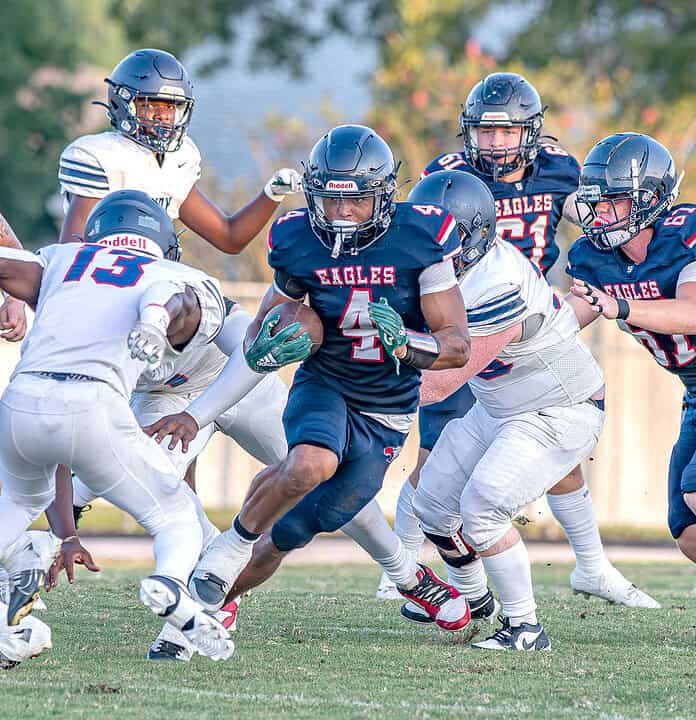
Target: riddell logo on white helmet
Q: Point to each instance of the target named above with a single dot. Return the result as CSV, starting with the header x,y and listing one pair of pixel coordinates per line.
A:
x,y
342,185
137,242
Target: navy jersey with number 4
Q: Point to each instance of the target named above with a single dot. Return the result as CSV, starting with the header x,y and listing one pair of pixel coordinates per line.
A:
x,y
351,357
528,211
671,249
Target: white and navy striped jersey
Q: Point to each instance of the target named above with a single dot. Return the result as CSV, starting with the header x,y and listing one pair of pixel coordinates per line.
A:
x,y
551,366
88,303
95,165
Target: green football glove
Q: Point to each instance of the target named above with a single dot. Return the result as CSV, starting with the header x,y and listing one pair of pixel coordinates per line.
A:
x,y
390,326
269,353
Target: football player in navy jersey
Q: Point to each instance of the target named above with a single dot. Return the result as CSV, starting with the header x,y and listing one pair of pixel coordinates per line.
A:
x,y
636,263
376,272
533,184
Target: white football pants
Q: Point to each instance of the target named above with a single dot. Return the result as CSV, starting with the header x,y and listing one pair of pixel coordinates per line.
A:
x,y
482,469
88,426
255,423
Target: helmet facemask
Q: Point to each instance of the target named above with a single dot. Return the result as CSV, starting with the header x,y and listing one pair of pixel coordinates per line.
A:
x,y
129,111
487,161
341,235
644,208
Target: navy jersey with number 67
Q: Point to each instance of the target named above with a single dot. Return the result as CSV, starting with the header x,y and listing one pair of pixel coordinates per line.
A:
x,y
671,249
527,212
351,357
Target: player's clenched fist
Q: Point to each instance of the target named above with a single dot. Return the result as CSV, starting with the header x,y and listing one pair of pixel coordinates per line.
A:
x,y
148,338
285,181
181,426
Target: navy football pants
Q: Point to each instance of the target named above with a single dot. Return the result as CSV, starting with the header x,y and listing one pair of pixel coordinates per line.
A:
x,y
317,414
682,469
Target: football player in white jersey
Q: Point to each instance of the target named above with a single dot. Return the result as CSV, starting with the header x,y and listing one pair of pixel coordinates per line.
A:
x,y
538,414
104,312
255,422
150,101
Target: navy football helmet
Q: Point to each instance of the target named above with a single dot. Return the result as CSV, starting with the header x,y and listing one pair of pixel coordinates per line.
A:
x,y
625,166
132,212
350,162
502,100
149,75
472,205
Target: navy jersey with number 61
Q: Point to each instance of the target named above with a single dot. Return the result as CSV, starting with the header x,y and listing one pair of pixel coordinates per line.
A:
x,y
351,357
527,212
671,249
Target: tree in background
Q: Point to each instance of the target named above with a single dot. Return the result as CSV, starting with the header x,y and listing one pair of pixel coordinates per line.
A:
x,y
421,84
601,65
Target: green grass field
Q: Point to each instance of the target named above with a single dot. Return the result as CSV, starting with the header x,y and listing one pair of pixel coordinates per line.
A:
x,y
313,643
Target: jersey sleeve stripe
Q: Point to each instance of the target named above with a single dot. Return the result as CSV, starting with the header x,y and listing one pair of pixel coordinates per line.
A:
x,y
691,241
68,174
96,167
447,227
475,316
507,297
505,319
104,189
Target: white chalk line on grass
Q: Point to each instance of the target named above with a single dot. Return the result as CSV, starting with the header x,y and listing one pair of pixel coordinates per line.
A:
x,y
507,710
285,699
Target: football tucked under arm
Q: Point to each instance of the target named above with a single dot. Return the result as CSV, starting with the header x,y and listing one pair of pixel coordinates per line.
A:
x,y
440,384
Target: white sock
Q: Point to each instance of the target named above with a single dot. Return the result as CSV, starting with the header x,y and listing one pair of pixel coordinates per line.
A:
x,y
511,575
370,529
177,549
576,516
470,579
210,532
406,524
400,567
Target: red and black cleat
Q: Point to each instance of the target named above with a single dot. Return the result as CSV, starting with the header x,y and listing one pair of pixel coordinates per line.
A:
x,y
443,603
227,614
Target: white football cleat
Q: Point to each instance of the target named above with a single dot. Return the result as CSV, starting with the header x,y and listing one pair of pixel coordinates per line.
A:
x,y
525,637
171,644
386,590
26,640
219,567
613,587
168,599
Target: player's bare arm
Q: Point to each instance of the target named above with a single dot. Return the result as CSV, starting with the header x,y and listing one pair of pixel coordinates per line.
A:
x,y
74,224
62,522
669,317
13,317
445,315
232,233
436,386
20,275
584,312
